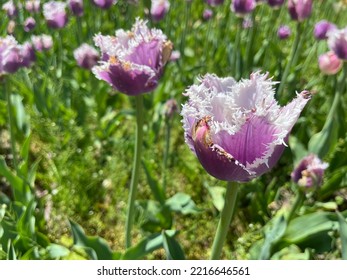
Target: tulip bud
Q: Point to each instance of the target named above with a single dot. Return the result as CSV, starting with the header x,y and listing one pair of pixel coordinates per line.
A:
x,y
284,32
159,9
86,56
309,173
29,24
322,28
242,7
329,63
207,14
55,14
299,9
337,41
76,7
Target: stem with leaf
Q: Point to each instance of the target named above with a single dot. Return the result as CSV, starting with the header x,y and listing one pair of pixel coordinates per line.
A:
x,y
225,219
299,199
135,171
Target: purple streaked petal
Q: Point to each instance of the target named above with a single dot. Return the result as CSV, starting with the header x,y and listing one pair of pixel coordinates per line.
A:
x,y
127,79
242,145
214,158
146,53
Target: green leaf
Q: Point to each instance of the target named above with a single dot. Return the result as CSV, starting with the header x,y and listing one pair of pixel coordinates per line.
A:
x,y
22,119
2,215
182,203
303,227
26,224
146,246
337,180
272,236
292,252
343,234
325,141
15,182
25,149
217,194
56,251
172,248
312,231
11,252
298,149
155,217
96,247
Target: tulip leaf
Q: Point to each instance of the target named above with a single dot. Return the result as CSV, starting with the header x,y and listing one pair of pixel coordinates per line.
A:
x,y
182,203
26,223
312,230
217,194
154,217
146,246
15,182
291,252
272,236
56,251
21,118
172,248
298,149
324,141
96,247
337,180
11,252
343,234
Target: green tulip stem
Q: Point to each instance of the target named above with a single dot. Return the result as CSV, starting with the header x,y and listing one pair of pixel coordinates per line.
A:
x,y
10,125
166,151
225,219
299,199
135,171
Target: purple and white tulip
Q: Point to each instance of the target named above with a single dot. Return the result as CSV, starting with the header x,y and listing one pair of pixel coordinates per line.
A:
x,y
76,7
170,108
284,32
28,54
86,56
207,14
329,63
42,43
104,4
322,28
310,171
300,9
10,8
10,55
55,14
132,61
159,9
237,130
29,24
242,7
32,6
337,42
